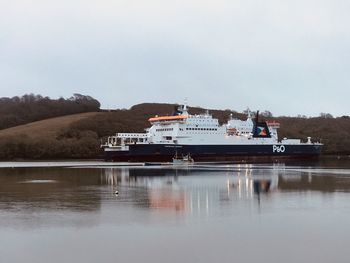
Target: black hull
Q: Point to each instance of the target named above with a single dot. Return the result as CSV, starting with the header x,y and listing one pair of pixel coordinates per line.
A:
x,y
204,153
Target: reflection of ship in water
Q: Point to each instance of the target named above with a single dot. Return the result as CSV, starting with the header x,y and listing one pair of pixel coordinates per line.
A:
x,y
204,188
194,189
262,186
156,190
176,189
161,199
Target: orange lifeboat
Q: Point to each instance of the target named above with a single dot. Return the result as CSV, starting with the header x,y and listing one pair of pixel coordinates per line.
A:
x,y
168,118
231,131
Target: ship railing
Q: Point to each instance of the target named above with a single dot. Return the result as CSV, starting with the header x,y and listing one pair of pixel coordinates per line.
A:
x,y
291,141
121,139
132,135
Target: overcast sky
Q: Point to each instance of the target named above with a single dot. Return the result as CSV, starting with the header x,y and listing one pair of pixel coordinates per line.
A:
x,y
290,57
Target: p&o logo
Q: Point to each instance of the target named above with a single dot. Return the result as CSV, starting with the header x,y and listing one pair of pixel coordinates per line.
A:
x,y
278,149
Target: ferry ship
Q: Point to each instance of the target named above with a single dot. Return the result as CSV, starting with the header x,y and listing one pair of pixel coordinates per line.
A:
x,y
204,139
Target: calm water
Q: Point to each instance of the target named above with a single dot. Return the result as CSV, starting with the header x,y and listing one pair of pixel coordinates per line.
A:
x,y
206,213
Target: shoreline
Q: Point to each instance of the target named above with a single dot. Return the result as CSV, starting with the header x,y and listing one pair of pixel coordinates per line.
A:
x,y
100,163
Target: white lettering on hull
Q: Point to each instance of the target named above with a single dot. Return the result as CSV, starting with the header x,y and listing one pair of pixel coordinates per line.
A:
x,y
278,149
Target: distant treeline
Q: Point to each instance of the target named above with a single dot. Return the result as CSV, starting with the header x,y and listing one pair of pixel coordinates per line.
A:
x,y
29,108
82,138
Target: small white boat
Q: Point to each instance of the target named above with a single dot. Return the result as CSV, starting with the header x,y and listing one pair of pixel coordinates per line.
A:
x,y
184,159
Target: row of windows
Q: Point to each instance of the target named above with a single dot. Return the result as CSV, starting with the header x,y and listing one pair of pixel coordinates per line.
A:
x,y
188,129
201,129
205,120
165,129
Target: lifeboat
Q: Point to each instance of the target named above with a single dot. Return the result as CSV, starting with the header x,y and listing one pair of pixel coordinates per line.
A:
x,y
231,131
168,118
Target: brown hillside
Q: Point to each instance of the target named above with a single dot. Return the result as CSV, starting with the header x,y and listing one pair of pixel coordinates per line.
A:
x,y
46,128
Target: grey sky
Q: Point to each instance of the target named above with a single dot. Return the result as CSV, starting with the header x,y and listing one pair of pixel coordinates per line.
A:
x,y
290,57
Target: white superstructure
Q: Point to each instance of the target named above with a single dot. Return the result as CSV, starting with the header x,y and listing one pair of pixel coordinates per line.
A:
x,y
186,129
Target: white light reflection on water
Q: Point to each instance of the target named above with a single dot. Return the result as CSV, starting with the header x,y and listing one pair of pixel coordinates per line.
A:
x,y
38,181
204,213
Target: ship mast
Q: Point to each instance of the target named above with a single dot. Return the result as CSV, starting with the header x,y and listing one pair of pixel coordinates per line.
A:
x,y
183,108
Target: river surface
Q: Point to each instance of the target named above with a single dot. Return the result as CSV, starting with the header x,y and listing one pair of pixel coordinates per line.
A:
x,y
200,213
